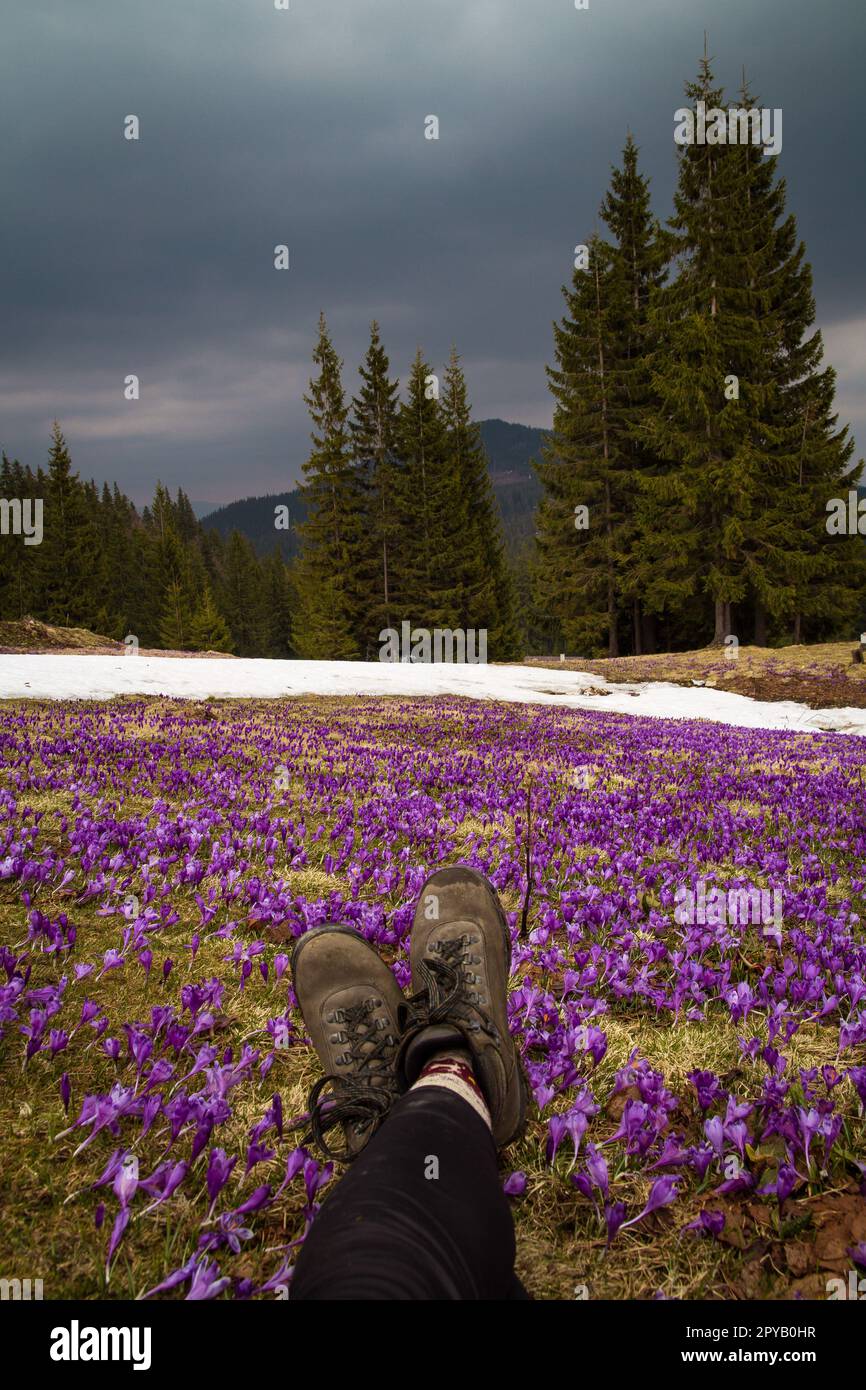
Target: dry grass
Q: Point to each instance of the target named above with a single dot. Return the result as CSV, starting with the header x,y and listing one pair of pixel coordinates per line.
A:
x,y
822,675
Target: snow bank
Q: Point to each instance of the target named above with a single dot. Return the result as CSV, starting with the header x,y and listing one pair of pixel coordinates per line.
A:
x,y
55,677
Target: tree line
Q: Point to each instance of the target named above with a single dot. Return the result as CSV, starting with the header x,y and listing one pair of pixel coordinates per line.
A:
x,y
157,576
401,527
695,445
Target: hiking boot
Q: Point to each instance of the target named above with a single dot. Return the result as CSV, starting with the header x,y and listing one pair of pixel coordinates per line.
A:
x,y
460,955
349,1000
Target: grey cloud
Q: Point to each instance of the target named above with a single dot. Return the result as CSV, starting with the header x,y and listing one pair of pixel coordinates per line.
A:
x,y
261,127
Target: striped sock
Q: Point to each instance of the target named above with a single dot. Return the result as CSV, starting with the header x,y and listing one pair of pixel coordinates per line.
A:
x,y
452,1071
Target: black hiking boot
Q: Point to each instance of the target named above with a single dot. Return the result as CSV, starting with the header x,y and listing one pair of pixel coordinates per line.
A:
x,y
349,999
460,955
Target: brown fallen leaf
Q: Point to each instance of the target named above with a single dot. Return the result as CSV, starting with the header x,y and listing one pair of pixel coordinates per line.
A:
x,y
813,1287
616,1104
751,1279
830,1247
761,1214
799,1257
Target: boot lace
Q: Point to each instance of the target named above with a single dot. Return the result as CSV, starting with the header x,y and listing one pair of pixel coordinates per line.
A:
x,y
446,995
363,1096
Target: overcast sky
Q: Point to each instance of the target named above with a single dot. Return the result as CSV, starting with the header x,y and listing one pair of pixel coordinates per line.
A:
x,y
306,127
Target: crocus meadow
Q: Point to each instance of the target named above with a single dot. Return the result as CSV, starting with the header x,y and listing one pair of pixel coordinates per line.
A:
x,y
699,1077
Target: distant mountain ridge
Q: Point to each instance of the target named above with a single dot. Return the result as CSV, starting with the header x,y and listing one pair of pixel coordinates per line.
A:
x,y
510,450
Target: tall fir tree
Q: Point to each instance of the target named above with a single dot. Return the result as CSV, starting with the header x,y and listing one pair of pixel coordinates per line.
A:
x,y
640,254
19,564
208,629
701,513
243,597
173,575
427,585
330,616
69,542
278,606
582,514
800,579
373,426
487,594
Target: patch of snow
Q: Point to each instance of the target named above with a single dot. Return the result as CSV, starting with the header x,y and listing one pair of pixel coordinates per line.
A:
x,y
61,677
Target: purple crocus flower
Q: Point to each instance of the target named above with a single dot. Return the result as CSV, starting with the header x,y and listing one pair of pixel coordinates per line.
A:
x,y
596,1166
584,1186
280,965
121,1221
112,960
294,1165
557,1128
258,1153
673,1155
810,1125
166,1180
708,1223
707,1085
857,1077
514,1185
663,1192
786,1180
233,1232
280,1279
745,1182
715,1131
126,1180
218,1173
614,1215
206,1282
260,1198
149,1112
316,1177
178,1276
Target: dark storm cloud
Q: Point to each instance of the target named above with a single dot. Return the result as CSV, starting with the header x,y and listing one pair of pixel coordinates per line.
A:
x,y
260,127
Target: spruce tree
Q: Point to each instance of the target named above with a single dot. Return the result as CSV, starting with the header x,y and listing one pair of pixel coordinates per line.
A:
x,y
427,585
640,252
19,563
373,426
65,557
487,596
243,597
278,606
702,512
331,616
208,630
173,575
800,579
585,459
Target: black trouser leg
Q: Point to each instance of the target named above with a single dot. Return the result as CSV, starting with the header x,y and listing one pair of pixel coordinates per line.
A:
x,y
392,1229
